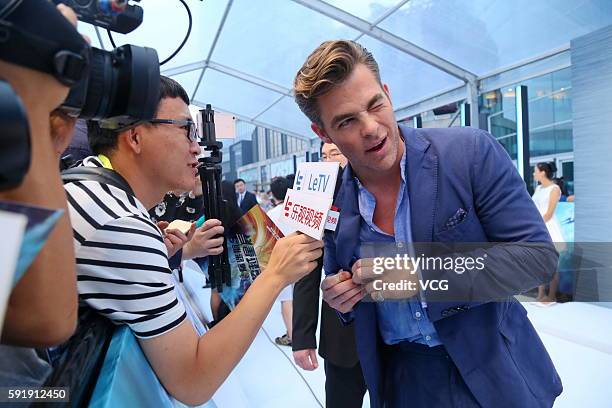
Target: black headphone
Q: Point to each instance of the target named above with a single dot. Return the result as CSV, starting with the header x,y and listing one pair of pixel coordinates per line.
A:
x,y
14,138
55,48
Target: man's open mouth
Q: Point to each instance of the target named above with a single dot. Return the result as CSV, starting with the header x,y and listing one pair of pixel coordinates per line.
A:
x,y
377,147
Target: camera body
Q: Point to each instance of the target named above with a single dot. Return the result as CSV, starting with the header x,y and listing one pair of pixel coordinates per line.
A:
x,y
114,15
118,88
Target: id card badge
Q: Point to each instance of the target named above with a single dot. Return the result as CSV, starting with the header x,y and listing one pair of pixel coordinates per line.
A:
x,y
332,218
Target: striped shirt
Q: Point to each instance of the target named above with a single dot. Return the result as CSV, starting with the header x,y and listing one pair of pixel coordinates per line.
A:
x,y
122,262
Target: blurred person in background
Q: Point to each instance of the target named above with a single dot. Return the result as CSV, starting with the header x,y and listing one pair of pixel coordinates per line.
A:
x,y
331,153
78,148
244,199
546,197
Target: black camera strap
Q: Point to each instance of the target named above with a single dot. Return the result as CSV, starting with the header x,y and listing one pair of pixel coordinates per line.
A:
x,y
99,174
60,52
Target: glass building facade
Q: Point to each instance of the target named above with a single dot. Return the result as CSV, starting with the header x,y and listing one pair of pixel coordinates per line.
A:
x,y
270,154
550,120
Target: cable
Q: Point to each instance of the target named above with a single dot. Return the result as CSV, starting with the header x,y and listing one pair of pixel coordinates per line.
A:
x,y
294,367
9,8
180,47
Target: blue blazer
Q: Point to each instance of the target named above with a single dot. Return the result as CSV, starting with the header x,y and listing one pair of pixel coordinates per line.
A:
x,y
493,344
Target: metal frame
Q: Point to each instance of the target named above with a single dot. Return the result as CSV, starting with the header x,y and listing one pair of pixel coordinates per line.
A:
x,y
434,101
547,60
388,38
268,108
522,132
213,46
361,25
249,78
224,69
465,113
537,58
384,16
469,92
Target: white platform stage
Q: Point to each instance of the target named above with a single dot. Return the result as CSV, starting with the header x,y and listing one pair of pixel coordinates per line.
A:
x,y
578,337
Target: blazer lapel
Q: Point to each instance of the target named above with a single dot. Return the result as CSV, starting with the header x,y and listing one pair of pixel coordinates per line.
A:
x,y
349,222
422,179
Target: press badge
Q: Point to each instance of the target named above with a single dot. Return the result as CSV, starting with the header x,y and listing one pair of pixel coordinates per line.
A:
x,y
332,218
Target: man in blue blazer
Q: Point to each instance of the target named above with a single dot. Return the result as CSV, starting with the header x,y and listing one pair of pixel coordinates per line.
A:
x,y
428,185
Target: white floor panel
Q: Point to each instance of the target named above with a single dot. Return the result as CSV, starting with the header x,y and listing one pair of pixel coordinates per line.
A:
x,y
577,336
585,374
267,377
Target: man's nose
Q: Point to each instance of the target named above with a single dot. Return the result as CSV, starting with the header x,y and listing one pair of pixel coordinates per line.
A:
x,y
195,148
369,125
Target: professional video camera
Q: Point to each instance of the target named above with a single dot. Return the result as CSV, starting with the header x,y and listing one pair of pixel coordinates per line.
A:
x,y
118,88
114,15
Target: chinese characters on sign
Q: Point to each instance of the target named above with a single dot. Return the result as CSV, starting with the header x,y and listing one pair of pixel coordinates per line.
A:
x,y
304,215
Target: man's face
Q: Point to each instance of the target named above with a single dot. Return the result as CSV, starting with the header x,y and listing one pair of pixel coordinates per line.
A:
x,y
240,187
168,154
358,118
331,153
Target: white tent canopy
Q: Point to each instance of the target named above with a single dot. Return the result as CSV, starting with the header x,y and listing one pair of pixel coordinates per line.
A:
x,y
242,55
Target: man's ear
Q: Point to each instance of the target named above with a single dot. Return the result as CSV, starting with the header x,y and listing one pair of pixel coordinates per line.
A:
x,y
132,139
321,133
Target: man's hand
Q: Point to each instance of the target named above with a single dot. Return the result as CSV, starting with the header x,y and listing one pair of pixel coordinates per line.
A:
x,y
293,257
363,271
207,240
390,283
306,359
340,292
173,238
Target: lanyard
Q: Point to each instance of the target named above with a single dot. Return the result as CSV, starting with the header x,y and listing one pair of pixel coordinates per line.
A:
x,y
105,161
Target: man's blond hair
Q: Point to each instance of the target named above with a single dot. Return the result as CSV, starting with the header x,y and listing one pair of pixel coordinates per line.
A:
x,y
328,65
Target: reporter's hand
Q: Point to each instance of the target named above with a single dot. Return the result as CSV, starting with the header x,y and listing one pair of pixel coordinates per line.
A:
x,y
306,359
293,257
340,292
207,240
173,238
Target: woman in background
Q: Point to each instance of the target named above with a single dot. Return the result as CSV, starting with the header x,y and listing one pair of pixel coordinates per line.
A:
x,y
546,197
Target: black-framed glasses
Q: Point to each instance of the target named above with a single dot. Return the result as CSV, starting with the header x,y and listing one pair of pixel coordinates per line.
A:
x,y
187,124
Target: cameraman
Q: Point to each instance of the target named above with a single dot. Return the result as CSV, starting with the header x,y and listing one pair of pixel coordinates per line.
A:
x,y
42,308
122,262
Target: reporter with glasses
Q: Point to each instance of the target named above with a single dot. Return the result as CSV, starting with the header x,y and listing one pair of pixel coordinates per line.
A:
x,y
122,259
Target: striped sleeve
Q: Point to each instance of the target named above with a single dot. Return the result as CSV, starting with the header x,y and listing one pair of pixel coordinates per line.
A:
x,y
123,273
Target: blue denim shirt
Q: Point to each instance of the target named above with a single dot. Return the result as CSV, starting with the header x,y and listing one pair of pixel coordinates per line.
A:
x,y
402,320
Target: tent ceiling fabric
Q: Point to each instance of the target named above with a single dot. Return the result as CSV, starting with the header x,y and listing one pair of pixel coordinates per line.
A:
x,y
242,55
